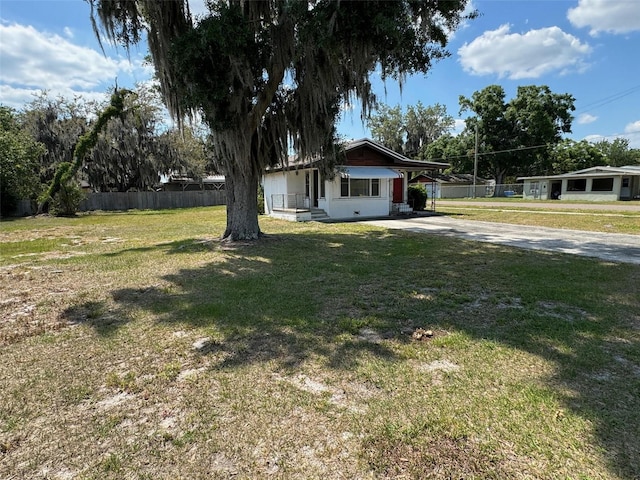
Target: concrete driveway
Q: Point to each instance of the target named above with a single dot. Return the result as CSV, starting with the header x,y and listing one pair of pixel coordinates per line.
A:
x,y
606,246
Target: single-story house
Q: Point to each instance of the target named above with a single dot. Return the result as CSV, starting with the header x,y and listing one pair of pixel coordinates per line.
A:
x,y
452,185
371,183
590,184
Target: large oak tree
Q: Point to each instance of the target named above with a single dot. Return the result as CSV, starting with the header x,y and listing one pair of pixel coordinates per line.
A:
x,y
514,136
270,76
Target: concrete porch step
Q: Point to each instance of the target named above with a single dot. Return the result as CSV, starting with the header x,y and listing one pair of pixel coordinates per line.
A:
x,y
318,214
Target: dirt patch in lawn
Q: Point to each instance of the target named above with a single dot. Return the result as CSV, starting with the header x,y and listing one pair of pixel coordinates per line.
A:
x,y
33,299
439,458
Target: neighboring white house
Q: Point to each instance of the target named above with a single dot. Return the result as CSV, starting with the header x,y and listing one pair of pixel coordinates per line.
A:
x,y
591,184
371,183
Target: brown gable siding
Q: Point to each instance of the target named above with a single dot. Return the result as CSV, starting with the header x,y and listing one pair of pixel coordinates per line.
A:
x,y
367,157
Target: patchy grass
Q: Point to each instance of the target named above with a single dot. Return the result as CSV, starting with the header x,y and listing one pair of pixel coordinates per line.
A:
x,y
607,221
136,346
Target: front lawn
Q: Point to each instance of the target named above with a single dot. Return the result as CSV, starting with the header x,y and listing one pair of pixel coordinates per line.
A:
x,y
134,345
605,221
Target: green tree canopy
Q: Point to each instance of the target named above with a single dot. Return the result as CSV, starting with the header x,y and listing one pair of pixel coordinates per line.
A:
x,y
19,162
617,153
424,125
267,76
457,150
412,132
514,135
387,127
56,123
134,148
569,155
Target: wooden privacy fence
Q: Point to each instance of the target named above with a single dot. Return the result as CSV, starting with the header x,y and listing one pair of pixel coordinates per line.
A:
x,y
152,200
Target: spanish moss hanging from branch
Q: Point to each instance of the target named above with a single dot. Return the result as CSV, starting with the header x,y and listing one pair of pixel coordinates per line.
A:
x,y
270,76
66,171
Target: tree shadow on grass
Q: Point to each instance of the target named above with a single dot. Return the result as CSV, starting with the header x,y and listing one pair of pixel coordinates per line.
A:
x,y
299,296
95,314
190,245
263,303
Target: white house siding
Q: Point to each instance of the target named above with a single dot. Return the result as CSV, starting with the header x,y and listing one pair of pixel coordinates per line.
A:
x,y
352,207
295,182
536,190
292,216
589,195
274,183
540,189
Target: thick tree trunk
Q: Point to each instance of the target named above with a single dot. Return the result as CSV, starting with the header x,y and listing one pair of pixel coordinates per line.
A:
x,y
242,206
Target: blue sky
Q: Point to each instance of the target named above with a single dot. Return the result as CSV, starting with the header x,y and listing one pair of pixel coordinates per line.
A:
x,y
587,48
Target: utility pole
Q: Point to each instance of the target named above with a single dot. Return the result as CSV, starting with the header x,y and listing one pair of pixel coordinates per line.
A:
x,y
475,163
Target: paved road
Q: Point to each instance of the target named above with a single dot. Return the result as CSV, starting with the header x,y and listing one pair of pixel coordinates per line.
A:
x,y
606,246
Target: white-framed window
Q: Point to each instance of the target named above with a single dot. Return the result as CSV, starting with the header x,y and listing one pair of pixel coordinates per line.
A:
x,y
359,187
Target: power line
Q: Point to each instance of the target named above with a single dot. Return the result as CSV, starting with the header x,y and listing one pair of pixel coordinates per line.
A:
x,y
519,149
610,99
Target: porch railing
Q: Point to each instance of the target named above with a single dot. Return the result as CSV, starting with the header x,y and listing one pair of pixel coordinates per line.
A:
x,y
289,202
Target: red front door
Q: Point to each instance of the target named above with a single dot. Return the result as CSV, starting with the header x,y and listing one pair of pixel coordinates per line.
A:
x,y
398,190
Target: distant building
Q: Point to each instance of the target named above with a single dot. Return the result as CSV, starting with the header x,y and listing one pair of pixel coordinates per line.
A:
x,y
176,183
452,185
595,184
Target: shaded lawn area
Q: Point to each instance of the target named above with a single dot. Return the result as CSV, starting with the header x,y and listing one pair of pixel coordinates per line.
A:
x,y
134,345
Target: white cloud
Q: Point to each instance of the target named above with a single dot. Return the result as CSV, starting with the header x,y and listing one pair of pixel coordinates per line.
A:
x,y
528,55
595,138
18,98
631,133
68,32
458,126
37,60
586,118
633,127
620,16
468,10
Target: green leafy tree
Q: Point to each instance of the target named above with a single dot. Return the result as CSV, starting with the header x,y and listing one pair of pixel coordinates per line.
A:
x,y
514,136
456,150
56,123
424,125
539,117
617,153
19,162
495,133
410,133
267,76
191,155
387,127
66,171
132,147
131,151
569,155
